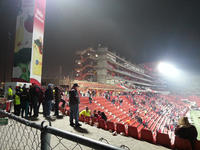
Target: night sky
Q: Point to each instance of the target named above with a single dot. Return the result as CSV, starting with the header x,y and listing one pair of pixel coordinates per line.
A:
x,y
139,30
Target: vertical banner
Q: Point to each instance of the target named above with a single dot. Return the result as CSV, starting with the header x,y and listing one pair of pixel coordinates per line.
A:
x,y
37,43
29,41
23,41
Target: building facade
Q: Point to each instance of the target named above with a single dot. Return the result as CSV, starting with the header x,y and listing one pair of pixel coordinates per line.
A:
x,y
103,66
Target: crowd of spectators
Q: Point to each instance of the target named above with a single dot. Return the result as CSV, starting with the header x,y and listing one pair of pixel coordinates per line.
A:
x,y
27,100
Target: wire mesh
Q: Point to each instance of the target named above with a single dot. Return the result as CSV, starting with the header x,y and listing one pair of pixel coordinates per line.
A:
x,y
58,143
21,134
17,136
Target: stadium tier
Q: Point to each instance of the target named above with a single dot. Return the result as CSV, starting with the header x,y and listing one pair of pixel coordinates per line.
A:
x,y
148,117
103,66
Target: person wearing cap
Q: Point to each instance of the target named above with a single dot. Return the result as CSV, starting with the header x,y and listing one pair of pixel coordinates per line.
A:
x,y
74,102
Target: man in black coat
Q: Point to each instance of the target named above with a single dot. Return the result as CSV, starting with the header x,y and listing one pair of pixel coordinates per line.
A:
x,y
74,102
48,101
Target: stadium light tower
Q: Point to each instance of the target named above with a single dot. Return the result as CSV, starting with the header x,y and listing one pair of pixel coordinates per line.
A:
x,y
168,70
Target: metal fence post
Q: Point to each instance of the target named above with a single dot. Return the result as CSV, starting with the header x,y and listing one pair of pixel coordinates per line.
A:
x,y
45,137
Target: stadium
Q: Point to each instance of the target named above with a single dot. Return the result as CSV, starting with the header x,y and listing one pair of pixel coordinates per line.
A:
x,y
106,75
149,111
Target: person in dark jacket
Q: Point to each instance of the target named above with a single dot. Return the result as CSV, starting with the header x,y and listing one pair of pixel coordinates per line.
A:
x,y
103,116
48,101
31,92
57,100
35,99
186,131
24,102
74,102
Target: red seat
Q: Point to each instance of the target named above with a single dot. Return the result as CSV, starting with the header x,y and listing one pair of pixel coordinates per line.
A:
x,y
110,125
197,145
120,128
182,144
81,118
94,120
102,124
133,132
146,135
163,139
87,120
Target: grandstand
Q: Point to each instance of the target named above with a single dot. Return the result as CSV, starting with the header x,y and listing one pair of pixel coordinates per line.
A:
x,y
159,114
103,66
149,112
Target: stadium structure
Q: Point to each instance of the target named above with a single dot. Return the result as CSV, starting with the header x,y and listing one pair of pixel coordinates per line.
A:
x,y
150,109
103,66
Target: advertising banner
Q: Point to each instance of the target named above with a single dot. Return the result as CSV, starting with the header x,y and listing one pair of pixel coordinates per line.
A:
x,y
37,43
29,41
23,41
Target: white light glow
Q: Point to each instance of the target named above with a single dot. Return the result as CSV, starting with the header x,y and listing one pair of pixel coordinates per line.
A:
x,y
168,70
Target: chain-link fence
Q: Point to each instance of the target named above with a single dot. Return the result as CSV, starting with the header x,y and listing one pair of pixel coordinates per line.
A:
x,y
21,134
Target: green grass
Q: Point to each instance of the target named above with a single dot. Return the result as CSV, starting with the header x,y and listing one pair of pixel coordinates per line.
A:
x,y
195,117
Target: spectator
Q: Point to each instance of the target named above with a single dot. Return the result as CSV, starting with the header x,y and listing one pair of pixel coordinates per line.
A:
x,y
35,99
57,100
31,93
17,102
103,116
95,114
10,93
74,102
24,102
90,97
120,101
85,112
48,101
113,101
186,131
41,100
99,115
130,113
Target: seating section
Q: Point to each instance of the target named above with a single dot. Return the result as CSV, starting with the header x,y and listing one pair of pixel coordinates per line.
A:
x,y
163,139
120,128
147,135
133,132
143,117
110,125
102,124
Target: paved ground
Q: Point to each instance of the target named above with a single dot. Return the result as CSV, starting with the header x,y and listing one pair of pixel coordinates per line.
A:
x,y
15,131
95,133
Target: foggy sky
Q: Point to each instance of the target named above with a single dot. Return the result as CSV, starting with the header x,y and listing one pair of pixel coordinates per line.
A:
x,y
139,30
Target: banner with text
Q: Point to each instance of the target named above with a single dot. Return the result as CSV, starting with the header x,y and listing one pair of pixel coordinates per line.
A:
x,y
29,41
37,43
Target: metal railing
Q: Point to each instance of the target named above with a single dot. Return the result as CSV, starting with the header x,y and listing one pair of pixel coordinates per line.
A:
x,y
21,134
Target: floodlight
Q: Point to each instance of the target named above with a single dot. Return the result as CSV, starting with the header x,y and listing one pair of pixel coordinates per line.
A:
x,y
168,70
